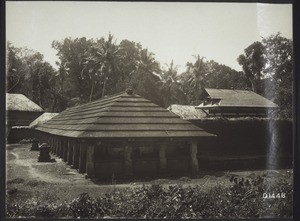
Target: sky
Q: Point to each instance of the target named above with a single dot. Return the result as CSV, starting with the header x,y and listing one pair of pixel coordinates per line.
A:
x,y
172,31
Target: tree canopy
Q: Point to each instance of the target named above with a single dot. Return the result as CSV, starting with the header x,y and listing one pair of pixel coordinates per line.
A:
x,y
268,66
89,69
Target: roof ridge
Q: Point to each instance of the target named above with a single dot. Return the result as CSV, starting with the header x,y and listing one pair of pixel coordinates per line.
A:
x,y
95,101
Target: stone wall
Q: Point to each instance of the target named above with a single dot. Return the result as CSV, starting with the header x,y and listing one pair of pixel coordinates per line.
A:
x,y
246,143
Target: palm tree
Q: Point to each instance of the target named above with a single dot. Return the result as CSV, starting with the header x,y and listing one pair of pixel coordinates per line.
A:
x,y
198,72
101,62
61,74
146,77
171,87
146,65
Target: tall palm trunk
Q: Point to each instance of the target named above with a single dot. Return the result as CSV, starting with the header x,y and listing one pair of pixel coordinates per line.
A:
x,y
92,91
103,89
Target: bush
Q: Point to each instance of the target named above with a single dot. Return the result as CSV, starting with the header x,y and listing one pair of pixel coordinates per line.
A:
x,y
83,207
242,199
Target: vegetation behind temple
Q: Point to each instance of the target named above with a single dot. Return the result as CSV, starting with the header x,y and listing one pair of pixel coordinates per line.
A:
x,y
92,68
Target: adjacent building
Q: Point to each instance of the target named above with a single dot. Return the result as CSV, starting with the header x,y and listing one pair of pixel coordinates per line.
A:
x,y
20,111
225,102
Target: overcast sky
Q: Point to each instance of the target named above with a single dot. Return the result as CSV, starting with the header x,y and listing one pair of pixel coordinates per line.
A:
x,y
218,31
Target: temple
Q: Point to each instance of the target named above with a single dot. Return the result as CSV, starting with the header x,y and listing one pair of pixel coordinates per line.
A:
x,y
124,135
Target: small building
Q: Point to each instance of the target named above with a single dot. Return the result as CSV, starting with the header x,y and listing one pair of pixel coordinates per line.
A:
x,y
224,102
20,111
124,135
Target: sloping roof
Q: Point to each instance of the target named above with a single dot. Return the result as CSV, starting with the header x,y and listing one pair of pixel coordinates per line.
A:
x,y
42,119
120,116
19,102
187,112
237,98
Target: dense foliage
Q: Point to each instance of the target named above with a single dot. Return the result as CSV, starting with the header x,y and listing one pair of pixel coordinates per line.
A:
x,y
268,67
89,69
242,199
29,74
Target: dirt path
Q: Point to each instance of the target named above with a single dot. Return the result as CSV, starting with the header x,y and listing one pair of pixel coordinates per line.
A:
x,y
35,173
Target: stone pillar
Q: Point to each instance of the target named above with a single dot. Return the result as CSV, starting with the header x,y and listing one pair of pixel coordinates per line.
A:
x,y
90,160
58,146
51,143
82,158
61,147
70,152
42,138
162,157
35,144
44,153
76,149
65,150
48,141
193,157
127,159
55,145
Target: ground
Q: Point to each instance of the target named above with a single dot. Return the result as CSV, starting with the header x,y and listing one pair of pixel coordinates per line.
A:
x,y
27,178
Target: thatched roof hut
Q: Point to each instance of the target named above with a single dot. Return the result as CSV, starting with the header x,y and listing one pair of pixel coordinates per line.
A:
x,y
20,110
123,134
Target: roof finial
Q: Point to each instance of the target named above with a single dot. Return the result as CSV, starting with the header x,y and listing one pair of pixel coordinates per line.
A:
x,y
129,91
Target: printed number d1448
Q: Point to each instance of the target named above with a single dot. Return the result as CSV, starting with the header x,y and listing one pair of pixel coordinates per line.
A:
x,y
273,195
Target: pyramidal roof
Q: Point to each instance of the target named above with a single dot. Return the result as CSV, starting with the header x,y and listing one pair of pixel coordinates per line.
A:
x,y
124,115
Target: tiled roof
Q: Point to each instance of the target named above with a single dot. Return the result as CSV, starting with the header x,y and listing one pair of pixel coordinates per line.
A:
x,y
118,116
237,98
